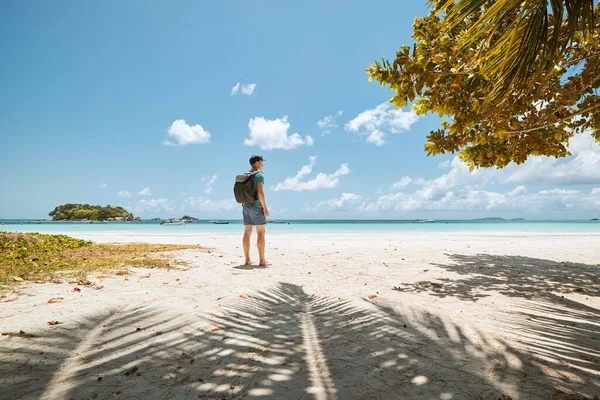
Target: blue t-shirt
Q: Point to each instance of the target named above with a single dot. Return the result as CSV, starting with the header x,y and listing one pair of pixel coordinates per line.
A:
x,y
258,178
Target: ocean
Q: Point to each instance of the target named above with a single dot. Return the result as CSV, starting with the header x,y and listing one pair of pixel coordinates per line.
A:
x,y
311,226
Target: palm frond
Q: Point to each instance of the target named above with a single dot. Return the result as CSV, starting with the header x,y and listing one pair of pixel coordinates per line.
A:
x,y
516,39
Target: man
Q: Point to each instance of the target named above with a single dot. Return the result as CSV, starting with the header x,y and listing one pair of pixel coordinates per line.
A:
x,y
256,213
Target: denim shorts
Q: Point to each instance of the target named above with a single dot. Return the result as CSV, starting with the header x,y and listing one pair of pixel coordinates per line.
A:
x,y
253,215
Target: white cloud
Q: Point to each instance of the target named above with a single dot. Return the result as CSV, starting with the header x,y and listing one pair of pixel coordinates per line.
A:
x,y
582,168
248,89
458,189
377,122
243,88
201,203
345,202
184,134
145,192
153,205
103,185
329,122
124,193
458,175
208,187
444,164
273,134
402,183
470,199
321,181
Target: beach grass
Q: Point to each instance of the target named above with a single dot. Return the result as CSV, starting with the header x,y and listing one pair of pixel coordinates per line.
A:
x,y
40,257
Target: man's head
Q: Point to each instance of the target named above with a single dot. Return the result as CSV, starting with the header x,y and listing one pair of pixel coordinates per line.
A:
x,y
256,162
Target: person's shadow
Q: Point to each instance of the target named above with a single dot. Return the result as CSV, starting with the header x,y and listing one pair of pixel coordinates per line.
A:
x,y
250,267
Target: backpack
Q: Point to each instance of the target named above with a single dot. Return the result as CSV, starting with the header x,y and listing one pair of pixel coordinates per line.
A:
x,y
243,189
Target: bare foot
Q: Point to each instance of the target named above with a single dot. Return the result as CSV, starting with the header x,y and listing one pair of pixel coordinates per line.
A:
x,y
263,263
248,262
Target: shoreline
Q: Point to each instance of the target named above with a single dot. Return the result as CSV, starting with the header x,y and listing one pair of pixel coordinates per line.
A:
x,y
346,233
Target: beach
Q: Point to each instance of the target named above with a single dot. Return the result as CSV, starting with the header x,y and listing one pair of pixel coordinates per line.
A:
x,y
346,315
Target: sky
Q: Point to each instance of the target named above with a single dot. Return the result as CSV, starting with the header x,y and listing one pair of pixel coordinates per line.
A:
x,y
157,106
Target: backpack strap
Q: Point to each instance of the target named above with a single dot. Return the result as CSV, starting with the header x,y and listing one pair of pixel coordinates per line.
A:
x,y
253,174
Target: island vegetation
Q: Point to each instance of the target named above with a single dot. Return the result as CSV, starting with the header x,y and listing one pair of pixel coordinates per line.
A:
x,y
79,212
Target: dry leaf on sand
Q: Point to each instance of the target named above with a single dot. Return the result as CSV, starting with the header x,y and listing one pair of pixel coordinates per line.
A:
x,y
54,322
243,296
216,329
372,296
55,300
9,300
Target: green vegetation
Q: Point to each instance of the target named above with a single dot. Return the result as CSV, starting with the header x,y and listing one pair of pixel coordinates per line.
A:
x,y
38,257
512,79
76,212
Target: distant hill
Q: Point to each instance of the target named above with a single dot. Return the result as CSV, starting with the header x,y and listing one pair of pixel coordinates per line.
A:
x,y
498,219
78,212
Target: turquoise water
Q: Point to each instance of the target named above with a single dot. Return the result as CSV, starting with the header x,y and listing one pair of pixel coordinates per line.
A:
x,y
313,226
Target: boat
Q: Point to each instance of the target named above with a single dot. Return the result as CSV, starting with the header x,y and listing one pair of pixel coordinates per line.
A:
x,y
426,220
221,222
270,221
172,221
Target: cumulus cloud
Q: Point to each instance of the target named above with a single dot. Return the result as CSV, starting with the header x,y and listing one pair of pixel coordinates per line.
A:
x,y
345,202
153,205
402,183
201,203
184,134
377,122
273,134
208,186
321,181
145,192
124,193
458,189
329,122
582,168
103,185
470,199
243,88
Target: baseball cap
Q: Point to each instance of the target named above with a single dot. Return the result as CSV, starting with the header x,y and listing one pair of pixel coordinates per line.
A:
x,y
256,158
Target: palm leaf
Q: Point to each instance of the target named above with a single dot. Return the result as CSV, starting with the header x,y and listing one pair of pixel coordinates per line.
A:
x,y
517,39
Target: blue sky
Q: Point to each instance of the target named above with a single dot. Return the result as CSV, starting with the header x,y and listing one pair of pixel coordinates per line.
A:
x,y
156,106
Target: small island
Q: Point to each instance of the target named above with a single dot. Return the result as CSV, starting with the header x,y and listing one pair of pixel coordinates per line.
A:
x,y
87,212
188,218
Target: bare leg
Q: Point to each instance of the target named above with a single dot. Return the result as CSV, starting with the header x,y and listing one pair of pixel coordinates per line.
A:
x,y
260,243
246,243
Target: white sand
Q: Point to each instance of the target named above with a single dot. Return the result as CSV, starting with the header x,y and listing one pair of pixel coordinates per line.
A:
x,y
457,316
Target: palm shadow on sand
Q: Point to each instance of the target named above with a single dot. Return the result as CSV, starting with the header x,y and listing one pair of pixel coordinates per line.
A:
x,y
277,343
561,333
